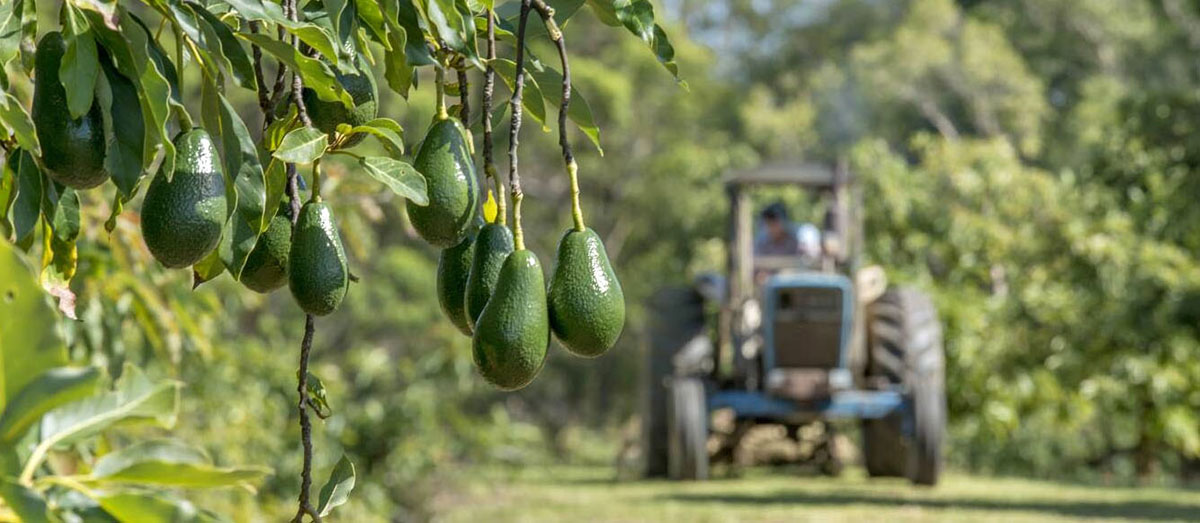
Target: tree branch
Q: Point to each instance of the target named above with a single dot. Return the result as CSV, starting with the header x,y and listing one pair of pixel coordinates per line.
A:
x,y
464,96
489,87
302,404
514,177
560,43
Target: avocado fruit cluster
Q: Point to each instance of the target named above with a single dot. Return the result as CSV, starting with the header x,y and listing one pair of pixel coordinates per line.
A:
x,y
182,217
444,159
73,149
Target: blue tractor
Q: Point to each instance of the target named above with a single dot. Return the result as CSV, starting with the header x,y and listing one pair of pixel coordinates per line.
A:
x,y
796,337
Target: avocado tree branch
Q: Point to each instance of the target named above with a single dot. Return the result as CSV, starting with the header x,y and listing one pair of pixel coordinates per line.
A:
x,y
264,98
464,96
302,405
514,177
560,43
489,87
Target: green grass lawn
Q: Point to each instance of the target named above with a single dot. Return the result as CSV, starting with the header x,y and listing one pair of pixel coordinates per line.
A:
x,y
590,494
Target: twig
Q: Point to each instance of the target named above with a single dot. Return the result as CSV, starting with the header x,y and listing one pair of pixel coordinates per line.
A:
x,y
464,96
514,177
560,42
264,99
489,87
305,505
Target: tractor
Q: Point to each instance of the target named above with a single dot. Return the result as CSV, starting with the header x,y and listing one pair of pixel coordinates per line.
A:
x,y
796,341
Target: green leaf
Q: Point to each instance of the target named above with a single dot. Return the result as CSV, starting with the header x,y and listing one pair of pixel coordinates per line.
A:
x,y
400,177
447,22
8,191
302,145
579,111
107,9
150,507
170,463
237,242
207,269
316,74
49,390
336,491
407,18
239,156
27,208
637,16
133,53
10,33
66,215
135,399
26,503
313,35
30,343
317,395
123,158
371,15
532,99
16,122
79,69
397,71
230,49
389,133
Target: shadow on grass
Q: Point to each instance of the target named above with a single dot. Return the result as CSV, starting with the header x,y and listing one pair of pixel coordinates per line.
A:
x,y
1136,510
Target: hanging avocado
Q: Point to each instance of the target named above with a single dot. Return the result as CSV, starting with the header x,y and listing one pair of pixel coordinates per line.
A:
x,y
317,272
327,115
182,218
587,307
454,266
266,266
444,160
72,149
513,330
493,244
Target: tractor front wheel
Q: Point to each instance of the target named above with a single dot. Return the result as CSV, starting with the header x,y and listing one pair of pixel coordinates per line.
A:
x,y
687,418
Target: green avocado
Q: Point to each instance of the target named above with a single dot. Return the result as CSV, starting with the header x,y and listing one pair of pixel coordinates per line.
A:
x,y
587,307
454,266
182,218
72,149
327,115
445,161
266,266
317,273
492,245
513,331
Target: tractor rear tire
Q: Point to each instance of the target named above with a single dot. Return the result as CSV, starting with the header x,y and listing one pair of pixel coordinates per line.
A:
x,y
906,350
677,318
688,428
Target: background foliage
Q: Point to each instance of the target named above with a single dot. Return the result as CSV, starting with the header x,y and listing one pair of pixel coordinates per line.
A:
x,y
1032,162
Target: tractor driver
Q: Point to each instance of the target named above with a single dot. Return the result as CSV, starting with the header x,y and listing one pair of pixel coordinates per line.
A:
x,y
780,237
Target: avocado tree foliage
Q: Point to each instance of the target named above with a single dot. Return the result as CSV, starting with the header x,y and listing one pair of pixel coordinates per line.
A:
x,y
97,93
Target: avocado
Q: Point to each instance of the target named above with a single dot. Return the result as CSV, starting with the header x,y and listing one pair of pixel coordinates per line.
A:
x,y
327,115
266,266
444,160
453,267
513,330
182,218
317,273
72,149
587,307
492,245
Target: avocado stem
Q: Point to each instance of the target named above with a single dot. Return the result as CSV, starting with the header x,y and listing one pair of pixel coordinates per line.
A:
x,y
518,232
316,180
576,209
439,83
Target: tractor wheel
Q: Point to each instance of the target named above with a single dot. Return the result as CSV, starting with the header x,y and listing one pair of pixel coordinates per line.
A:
x,y
677,318
688,428
906,350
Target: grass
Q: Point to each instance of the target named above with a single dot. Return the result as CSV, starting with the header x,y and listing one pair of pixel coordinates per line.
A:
x,y
591,494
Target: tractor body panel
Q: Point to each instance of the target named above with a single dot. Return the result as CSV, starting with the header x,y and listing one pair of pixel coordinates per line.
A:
x,y
846,404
